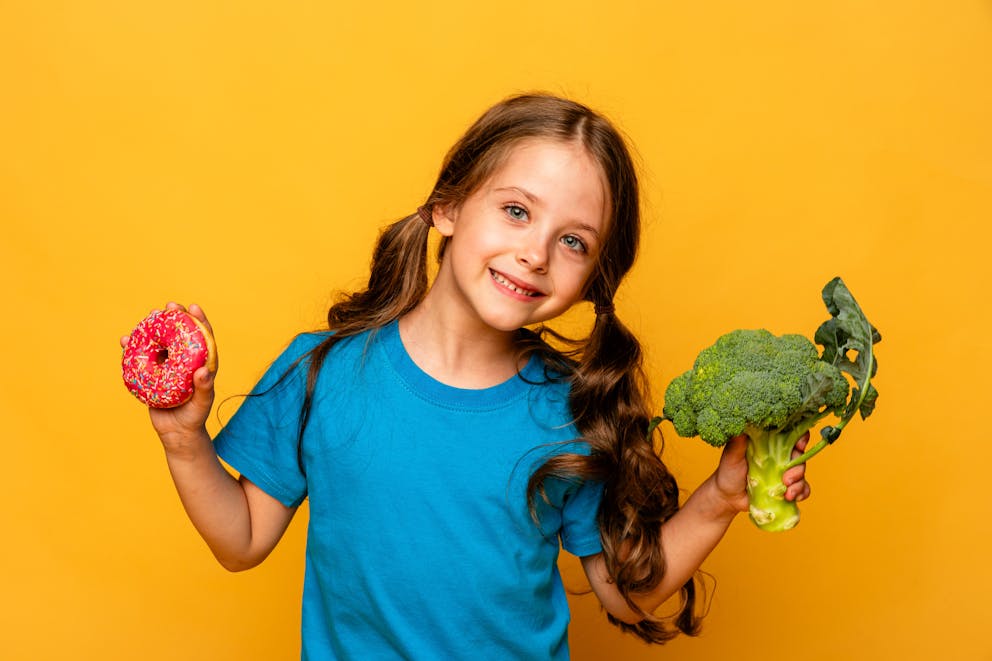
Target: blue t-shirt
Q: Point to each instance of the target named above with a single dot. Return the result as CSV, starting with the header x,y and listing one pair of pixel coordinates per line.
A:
x,y
420,541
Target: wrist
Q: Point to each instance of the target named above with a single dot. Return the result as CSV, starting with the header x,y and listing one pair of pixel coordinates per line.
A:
x,y
716,504
186,445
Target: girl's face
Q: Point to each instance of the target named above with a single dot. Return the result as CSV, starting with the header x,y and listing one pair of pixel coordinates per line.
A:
x,y
523,246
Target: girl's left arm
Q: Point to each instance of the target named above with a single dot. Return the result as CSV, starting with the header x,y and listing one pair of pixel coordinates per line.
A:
x,y
693,532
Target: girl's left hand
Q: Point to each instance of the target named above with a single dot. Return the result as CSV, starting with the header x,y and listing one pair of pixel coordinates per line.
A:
x,y
731,474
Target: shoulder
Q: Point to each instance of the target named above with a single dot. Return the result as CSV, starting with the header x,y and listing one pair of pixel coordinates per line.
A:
x,y
295,353
296,358
550,389
304,343
304,346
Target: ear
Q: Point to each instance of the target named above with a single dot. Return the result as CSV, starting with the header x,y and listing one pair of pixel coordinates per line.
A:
x,y
444,216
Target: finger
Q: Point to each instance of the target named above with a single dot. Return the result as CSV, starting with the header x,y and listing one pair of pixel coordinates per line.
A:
x,y
172,305
798,491
203,378
800,445
203,386
124,340
794,475
198,312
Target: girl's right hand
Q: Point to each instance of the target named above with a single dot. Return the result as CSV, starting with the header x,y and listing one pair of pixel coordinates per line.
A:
x,y
187,421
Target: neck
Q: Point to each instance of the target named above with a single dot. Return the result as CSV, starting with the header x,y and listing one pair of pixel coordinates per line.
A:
x,y
455,353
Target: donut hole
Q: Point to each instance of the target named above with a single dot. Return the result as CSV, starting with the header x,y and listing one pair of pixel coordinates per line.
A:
x,y
161,356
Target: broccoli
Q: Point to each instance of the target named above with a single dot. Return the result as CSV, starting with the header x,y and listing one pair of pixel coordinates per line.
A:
x,y
774,390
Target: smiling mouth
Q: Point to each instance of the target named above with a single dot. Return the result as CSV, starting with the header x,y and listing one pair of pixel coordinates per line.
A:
x,y
503,281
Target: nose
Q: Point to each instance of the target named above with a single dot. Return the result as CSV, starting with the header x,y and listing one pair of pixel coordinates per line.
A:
x,y
532,253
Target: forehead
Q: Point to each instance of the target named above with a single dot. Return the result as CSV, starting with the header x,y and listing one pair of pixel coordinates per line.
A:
x,y
563,176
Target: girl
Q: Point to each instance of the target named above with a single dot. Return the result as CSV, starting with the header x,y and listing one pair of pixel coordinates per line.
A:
x,y
448,442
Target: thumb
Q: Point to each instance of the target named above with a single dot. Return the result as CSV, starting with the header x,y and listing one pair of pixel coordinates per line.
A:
x,y
203,386
735,449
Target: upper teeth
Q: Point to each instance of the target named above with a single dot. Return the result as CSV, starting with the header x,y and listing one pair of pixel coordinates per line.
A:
x,y
509,285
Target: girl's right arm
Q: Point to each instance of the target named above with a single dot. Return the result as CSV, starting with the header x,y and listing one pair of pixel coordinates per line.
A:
x,y
239,522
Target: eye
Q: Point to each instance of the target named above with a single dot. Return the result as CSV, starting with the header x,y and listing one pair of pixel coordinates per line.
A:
x,y
573,242
515,211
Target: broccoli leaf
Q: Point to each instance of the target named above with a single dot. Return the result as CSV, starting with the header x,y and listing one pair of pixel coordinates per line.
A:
x,y
814,391
848,331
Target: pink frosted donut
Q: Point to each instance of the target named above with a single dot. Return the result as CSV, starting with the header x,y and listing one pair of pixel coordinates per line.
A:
x,y
161,355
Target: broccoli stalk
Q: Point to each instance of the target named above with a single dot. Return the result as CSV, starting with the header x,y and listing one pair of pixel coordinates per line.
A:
x,y
774,390
769,453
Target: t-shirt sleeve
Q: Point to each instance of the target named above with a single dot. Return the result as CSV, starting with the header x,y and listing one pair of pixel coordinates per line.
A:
x,y
261,439
579,530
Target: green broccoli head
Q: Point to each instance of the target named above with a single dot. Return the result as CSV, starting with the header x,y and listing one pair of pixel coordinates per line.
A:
x,y
775,389
751,378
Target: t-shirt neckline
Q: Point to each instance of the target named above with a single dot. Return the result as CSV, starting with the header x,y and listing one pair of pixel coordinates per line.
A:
x,y
424,385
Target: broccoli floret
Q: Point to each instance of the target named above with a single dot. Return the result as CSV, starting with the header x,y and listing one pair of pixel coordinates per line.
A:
x,y
773,390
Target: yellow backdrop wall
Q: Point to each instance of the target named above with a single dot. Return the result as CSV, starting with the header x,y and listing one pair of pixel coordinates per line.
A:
x,y
244,155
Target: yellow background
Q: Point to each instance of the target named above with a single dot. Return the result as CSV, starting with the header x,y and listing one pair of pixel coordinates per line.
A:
x,y
243,155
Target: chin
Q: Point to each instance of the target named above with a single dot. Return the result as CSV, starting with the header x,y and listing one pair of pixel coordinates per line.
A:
x,y
505,323
506,326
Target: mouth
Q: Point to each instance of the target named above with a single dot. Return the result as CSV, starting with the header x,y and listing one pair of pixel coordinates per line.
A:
x,y
513,286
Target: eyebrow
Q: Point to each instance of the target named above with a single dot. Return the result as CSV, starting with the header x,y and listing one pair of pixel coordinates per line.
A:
x,y
523,191
534,199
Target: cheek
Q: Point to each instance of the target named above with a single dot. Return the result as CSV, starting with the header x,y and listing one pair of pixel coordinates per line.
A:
x,y
588,281
574,279
480,242
469,253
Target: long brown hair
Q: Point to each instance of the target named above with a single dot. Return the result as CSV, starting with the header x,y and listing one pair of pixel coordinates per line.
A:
x,y
608,389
